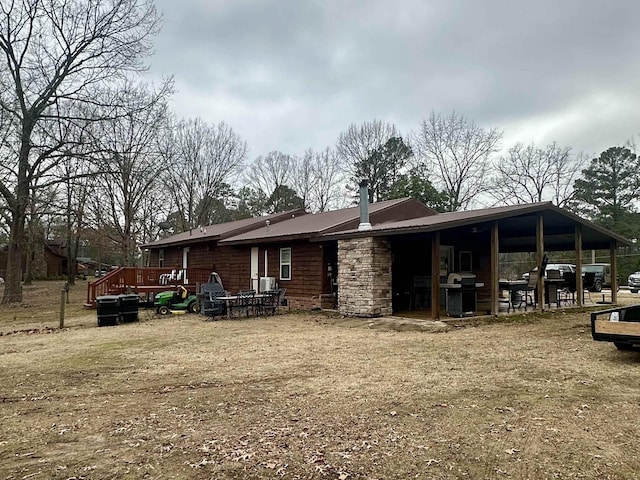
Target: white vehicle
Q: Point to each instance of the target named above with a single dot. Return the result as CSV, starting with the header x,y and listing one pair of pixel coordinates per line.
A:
x,y
634,282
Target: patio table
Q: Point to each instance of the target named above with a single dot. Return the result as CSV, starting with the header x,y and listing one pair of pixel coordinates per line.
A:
x,y
229,301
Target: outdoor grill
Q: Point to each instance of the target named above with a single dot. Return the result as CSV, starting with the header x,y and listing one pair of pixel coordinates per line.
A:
x,y
467,280
461,298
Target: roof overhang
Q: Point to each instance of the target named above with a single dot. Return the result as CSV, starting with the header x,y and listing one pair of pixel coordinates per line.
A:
x,y
516,228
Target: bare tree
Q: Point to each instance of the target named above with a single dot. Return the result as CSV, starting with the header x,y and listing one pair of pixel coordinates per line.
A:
x,y
131,167
458,153
200,158
529,174
303,177
79,185
266,174
356,145
326,180
57,52
316,178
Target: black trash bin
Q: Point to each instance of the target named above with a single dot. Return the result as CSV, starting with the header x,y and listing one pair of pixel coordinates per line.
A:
x,y
129,308
108,307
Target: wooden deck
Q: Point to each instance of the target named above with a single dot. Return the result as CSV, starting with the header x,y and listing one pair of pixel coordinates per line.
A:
x,y
144,280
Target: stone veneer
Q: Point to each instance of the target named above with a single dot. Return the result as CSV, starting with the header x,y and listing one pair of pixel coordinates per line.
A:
x,y
364,277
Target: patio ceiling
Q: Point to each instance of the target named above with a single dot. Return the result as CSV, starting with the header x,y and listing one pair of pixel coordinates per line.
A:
x,y
518,234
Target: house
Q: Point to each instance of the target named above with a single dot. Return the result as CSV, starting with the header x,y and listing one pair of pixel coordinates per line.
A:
x,y
48,259
290,247
371,260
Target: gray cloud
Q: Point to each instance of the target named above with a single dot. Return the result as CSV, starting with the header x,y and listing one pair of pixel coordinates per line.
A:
x,y
291,75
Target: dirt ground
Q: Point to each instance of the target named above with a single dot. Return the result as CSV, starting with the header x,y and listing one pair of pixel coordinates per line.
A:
x,y
311,396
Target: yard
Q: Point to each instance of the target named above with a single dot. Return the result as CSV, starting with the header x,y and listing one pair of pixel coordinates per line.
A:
x,y
311,396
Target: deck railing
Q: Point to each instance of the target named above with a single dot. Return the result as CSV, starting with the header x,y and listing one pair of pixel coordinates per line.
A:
x,y
144,279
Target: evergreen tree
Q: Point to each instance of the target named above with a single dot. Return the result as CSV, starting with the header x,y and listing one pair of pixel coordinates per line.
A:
x,y
284,198
608,190
383,167
415,184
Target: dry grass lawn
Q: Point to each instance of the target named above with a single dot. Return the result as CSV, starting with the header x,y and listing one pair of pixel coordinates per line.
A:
x,y
310,396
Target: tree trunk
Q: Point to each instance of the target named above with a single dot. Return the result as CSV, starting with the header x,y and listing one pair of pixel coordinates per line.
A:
x,y
72,264
13,280
72,253
28,264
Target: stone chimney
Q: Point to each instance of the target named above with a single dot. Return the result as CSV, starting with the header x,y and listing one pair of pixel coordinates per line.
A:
x,y
364,206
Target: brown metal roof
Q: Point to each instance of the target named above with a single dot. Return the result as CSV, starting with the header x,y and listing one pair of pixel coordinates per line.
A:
x,y
516,224
223,230
309,226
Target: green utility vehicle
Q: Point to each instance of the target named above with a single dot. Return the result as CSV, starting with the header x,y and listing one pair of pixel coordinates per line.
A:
x,y
177,300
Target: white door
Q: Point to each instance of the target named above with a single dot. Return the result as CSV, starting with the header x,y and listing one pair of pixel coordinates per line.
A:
x,y
185,263
254,268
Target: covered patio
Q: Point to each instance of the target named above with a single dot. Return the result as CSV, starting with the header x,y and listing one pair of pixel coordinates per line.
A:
x,y
406,266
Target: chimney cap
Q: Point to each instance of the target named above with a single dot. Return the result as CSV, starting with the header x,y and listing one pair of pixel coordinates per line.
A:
x,y
364,182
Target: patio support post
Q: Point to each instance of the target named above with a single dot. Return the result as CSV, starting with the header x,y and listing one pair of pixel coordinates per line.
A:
x,y
495,280
579,286
539,255
614,272
435,276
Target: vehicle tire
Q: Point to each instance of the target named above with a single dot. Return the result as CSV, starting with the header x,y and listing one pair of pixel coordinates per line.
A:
x,y
163,310
634,291
193,308
597,286
624,346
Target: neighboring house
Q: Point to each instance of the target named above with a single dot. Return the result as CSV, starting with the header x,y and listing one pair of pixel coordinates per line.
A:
x,y
55,259
49,260
370,261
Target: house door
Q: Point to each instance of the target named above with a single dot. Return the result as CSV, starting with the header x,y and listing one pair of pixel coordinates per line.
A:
x,y
254,268
185,263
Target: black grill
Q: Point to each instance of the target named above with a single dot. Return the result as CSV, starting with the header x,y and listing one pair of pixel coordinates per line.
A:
x,y
461,294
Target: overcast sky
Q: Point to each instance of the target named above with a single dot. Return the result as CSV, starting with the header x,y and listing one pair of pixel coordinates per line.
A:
x,y
290,75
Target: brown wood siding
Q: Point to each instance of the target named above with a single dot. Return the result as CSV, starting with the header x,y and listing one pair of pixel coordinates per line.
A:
x,y
306,267
233,264
172,257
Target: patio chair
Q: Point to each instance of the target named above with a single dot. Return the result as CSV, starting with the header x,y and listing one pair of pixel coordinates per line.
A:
x,y
568,292
268,304
179,275
211,306
420,297
166,278
244,303
282,299
588,281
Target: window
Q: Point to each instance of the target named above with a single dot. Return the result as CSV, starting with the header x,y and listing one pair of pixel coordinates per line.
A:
x,y
466,262
161,257
285,264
